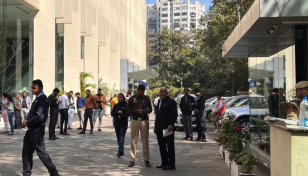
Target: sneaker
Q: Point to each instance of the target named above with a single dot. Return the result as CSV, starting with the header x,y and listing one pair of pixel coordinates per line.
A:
x,y
131,164
185,138
147,164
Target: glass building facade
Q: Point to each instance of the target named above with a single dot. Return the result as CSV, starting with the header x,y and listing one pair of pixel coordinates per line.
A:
x,y
16,47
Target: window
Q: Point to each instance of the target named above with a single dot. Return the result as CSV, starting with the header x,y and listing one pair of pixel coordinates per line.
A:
x,y
177,20
177,8
184,8
184,13
177,14
184,19
184,25
164,9
152,13
193,8
164,15
164,21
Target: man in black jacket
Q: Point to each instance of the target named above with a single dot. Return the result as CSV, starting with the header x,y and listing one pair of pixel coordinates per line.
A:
x,y
198,110
34,137
186,104
54,111
166,114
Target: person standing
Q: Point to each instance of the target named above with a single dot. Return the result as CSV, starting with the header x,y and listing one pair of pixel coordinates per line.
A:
x,y
120,122
81,103
219,110
99,109
166,114
155,102
5,113
63,106
10,110
17,112
34,137
273,103
114,101
71,110
90,105
26,104
54,111
198,110
186,109
139,106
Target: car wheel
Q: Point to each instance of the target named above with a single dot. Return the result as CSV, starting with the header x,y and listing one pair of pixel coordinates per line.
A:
x,y
210,116
245,124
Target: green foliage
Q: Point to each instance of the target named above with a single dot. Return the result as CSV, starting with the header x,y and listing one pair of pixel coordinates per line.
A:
x,y
83,85
245,159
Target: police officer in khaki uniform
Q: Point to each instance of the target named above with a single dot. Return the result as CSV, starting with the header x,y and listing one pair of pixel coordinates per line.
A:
x,y
292,108
139,106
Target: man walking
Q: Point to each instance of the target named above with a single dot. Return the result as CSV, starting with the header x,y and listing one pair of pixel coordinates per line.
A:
x,y
139,106
63,106
219,110
99,108
198,110
71,110
26,104
186,108
54,111
90,105
34,137
81,103
17,111
166,114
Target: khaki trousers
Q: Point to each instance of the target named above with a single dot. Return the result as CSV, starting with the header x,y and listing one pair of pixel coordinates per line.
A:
x,y
143,127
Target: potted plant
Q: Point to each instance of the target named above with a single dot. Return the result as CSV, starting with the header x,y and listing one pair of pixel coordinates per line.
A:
x,y
243,164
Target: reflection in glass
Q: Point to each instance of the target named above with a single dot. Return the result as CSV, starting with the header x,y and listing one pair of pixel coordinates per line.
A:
x,y
59,69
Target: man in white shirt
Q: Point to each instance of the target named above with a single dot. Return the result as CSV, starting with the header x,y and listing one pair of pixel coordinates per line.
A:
x,y
63,106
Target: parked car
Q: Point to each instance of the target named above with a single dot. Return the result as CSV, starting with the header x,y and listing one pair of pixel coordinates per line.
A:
x,y
213,101
179,122
256,107
229,103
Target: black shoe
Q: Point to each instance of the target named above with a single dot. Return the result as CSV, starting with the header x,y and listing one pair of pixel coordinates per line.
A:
x,y
61,133
56,137
160,166
147,164
185,138
197,140
191,139
120,154
82,132
65,133
91,132
202,140
99,129
169,168
58,127
52,138
131,164
79,128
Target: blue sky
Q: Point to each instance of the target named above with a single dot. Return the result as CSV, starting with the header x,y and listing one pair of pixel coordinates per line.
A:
x,y
206,2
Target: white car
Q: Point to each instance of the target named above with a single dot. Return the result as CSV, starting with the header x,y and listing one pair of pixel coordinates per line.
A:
x,y
179,122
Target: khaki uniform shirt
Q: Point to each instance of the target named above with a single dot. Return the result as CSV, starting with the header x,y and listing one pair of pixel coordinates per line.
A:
x,y
291,109
135,103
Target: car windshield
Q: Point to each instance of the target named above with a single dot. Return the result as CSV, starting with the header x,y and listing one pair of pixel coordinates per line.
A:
x,y
227,100
242,102
209,100
258,102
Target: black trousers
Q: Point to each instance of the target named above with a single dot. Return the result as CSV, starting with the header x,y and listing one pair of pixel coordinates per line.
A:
x,y
199,126
64,118
34,141
18,122
52,125
88,114
166,148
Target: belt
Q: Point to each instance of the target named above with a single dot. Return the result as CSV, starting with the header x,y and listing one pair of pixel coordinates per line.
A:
x,y
139,119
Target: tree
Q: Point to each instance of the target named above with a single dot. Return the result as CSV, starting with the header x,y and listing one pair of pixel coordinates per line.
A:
x,y
83,85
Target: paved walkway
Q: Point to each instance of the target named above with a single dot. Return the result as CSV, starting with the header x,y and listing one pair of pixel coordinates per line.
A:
x,y
91,155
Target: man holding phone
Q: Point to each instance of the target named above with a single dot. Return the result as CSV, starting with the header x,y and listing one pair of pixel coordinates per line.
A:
x,y
186,104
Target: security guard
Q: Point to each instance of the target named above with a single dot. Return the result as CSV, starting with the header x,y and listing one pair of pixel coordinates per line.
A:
x,y
34,137
139,106
292,108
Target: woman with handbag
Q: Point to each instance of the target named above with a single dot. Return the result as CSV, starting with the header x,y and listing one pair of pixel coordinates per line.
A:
x,y
120,122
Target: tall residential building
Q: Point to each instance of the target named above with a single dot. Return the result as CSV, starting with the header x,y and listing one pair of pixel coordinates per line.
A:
x,y
56,40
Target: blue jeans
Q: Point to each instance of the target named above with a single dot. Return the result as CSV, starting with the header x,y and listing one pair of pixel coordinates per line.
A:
x,y
121,131
11,115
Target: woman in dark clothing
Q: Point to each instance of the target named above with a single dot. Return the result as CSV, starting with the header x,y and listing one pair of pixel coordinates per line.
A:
x,y
120,122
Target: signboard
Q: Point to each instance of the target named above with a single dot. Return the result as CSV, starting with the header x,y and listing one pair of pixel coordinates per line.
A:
x,y
252,83
147,86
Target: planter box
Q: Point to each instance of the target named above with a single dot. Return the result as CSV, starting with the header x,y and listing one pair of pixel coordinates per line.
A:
x,y
221,150
227,161
237,169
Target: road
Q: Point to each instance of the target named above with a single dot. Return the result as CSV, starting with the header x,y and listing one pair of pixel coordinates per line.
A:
x,y
80,155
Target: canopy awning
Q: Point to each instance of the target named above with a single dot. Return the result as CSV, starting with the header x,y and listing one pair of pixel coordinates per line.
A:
x,y
143,74
266,29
